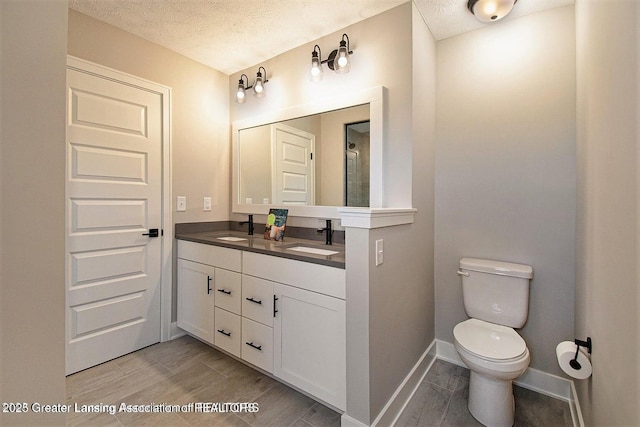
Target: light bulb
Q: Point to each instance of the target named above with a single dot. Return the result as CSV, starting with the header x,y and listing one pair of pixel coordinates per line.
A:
x,y
341,61
258,88
240,95
315,74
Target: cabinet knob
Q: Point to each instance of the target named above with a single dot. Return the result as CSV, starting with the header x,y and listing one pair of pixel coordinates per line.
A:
x,y
208,285
254,300
224,291
223,332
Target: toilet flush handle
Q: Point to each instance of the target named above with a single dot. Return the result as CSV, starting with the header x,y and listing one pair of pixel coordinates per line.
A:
x,y
463,273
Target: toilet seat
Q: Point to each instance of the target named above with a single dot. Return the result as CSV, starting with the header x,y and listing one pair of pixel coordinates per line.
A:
x,y
490,342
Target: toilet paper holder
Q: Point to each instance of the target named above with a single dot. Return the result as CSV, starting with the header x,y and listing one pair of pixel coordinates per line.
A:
x,y
579,343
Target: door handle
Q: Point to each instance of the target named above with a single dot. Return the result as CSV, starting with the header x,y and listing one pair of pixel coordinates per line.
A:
x,y
208,285
153,232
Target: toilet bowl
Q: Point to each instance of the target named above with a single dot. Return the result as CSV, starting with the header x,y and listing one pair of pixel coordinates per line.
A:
x,y
495,355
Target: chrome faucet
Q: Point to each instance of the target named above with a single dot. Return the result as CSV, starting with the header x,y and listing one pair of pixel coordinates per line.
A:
x,y
250,226
329,236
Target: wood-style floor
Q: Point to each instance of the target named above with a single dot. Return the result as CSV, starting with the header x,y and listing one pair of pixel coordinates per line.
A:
x,y
185,371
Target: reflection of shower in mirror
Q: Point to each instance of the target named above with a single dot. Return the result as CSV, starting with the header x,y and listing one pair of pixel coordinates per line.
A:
x,y
357,140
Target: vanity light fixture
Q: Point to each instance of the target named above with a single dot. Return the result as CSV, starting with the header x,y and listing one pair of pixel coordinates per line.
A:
x,y
490,10
241,92
339,60
258,86
316,64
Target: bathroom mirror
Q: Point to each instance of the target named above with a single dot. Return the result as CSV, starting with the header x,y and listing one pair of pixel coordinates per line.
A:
x,y
302,161
300,158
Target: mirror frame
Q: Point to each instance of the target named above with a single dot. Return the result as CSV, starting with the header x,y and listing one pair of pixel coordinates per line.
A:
x,y
375,97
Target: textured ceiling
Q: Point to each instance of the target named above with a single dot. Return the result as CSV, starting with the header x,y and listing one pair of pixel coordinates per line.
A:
x,y
447,18
231,35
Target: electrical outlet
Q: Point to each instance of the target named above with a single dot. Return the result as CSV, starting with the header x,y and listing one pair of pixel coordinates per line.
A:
x,y
181,203
379,252
207,204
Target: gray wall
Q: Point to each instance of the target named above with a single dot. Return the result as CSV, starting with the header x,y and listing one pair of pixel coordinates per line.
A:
x,y
401,290
608,232
32,290
505,167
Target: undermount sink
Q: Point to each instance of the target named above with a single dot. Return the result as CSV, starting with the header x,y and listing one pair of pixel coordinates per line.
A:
x,y
232,239
228,236
312,250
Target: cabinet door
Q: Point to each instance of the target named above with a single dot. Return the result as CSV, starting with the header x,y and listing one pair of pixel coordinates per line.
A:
x,y
310,343
196,298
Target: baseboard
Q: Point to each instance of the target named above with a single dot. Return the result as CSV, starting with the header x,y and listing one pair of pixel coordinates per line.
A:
x,y
574,404
175,332
347,421
405,391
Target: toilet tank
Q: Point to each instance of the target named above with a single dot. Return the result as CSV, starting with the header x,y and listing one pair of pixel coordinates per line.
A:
x,y
496,291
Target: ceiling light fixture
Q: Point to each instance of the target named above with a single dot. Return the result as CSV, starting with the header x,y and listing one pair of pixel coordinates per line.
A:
x,y
258,86
490,10
339,60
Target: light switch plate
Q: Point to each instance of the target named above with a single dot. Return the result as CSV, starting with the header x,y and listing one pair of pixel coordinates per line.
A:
x,y
181,203
207,204
379,252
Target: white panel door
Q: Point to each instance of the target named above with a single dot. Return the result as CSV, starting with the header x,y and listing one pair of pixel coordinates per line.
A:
x,y
114,197
293,166
309,334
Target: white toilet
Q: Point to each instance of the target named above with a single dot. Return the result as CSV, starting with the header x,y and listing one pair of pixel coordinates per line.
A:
x,y
496,297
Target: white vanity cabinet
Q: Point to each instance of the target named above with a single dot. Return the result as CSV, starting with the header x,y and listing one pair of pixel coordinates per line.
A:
x,y
284,316
309,323
204,272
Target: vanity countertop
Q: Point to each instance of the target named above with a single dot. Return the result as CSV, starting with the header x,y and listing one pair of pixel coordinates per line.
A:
x,y
284,249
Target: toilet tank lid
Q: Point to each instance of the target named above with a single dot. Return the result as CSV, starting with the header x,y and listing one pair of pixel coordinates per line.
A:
x,y
497,267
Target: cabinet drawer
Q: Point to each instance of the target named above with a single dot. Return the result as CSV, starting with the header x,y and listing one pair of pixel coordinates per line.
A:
x,y
313,277
257,299
230,259
228,290
228,333
257,344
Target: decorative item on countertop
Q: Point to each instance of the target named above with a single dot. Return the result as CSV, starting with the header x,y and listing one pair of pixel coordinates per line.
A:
x,y
276,222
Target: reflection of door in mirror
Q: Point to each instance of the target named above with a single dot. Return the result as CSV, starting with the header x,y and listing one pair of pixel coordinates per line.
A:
x,y
357,164
294,177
